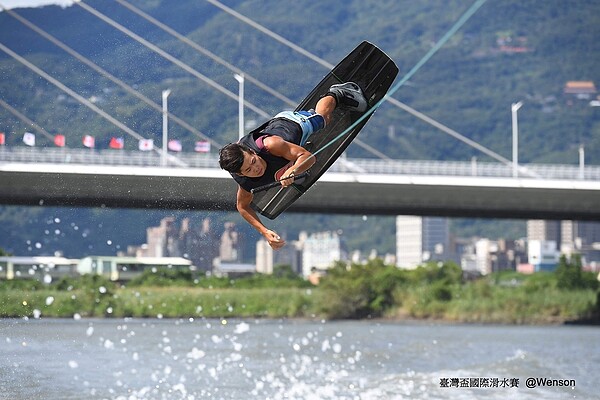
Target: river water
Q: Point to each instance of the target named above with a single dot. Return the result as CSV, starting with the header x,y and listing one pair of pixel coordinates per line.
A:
x,y
133,359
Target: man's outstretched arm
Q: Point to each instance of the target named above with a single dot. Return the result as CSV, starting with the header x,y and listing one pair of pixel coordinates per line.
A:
x,y
244,199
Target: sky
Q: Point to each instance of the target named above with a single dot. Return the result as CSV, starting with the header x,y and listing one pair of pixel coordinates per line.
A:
x,y
33,3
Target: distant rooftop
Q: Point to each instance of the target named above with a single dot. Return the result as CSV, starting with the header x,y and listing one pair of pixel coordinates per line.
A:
x,y
579,87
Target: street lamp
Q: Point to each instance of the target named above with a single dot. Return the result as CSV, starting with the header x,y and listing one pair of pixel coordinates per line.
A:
x,y
165,127
515,137
581,162
240,79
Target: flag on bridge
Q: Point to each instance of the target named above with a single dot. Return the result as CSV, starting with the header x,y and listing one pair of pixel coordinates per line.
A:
x,y
116,143
60,140
146,144
2,139
29,139
174,145
89,141
202,146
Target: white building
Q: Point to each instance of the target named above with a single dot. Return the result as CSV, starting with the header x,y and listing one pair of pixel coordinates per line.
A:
x,y
570,237
420,239
125,268
543,255
321,251
484,251
232,269
290,254
264,257
44,269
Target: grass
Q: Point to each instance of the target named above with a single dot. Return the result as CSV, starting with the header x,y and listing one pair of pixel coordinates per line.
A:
x,y
359,291
159,302
480,302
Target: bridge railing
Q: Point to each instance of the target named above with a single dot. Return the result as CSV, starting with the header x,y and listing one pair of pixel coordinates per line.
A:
x,y
370,166
101,157
461,168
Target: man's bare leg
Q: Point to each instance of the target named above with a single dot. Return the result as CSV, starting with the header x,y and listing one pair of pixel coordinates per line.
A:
x,y
325,107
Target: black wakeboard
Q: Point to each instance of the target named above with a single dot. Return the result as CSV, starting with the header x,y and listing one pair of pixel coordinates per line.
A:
x,y
374,72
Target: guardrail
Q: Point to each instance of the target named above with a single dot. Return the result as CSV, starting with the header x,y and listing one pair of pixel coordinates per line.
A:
x,y
349,165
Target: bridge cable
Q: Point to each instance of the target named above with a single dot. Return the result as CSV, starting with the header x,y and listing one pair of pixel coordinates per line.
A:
x,y
24,118
391,100
457,25
461,21
81,99
108,75
231,67
204,51
169,57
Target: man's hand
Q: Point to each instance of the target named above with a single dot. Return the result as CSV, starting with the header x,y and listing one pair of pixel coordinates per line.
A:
x,y
274,240
244,199
289,173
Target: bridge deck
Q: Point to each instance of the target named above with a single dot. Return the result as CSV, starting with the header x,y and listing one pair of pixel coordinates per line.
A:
x,y
354,191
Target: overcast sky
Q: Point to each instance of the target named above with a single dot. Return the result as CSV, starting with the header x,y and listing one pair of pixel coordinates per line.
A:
x,y
33,3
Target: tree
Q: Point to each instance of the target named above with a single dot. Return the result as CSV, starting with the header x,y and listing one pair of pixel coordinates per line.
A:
x,y
570,275
359,291
284,271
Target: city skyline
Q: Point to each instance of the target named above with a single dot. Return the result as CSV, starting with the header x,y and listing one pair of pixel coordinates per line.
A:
x,y
419,240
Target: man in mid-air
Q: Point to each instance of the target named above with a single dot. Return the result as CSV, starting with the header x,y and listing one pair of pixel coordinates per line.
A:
x,y
273,151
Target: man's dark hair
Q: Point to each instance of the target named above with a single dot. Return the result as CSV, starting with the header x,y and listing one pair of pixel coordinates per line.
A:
x,y
231,157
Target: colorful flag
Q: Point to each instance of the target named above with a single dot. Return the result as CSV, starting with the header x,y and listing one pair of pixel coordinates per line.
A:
x,y
202,147
89,141
146,144
174,145
116,143
29,139
2,139
60,140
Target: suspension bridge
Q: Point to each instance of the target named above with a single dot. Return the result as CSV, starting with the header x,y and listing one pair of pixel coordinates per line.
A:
x,y
72,177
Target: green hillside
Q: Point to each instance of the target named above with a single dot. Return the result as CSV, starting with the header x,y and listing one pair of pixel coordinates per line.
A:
x,y
468,85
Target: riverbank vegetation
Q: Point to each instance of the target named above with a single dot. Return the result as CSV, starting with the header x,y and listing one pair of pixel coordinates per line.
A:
x,y
434,291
